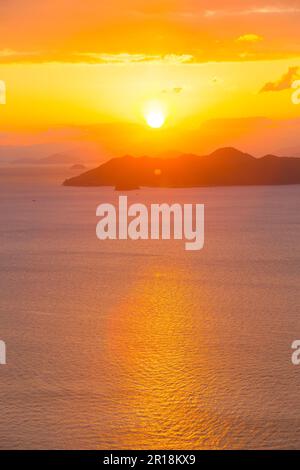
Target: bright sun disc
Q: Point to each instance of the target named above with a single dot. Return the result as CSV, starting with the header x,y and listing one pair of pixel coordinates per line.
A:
x,y
155,119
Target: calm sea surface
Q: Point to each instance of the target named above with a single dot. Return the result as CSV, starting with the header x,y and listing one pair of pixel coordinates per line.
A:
x,y
124,344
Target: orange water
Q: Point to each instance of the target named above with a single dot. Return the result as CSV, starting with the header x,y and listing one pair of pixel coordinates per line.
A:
x,y
142,344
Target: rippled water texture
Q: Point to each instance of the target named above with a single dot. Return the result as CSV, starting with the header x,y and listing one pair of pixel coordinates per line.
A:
x,y
142,344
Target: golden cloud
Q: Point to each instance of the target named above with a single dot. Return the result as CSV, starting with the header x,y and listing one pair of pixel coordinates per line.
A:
x,y
252,38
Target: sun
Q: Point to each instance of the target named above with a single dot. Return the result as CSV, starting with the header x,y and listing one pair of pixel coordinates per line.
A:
x,y
155,119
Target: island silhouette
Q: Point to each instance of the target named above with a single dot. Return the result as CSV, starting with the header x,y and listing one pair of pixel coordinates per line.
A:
x,y
223,167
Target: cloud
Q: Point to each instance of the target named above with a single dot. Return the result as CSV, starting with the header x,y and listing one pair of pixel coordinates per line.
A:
x,y
171,59
274,10
284,83
11,54
249,38
7,53
252,11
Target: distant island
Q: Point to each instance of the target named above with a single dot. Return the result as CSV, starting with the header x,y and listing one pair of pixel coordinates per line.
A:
x,y
55,159
224,167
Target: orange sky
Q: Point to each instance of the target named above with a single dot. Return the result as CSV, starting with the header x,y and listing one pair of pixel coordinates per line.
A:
x,y
73,63
207,30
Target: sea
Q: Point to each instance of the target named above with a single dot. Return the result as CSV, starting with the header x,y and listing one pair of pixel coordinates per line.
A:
x,y
142,344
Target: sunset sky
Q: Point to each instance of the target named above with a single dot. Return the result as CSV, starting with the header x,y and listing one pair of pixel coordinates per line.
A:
x,y
69,64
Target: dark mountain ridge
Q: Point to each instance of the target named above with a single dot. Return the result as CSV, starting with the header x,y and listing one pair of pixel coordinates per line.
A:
x,y
224,167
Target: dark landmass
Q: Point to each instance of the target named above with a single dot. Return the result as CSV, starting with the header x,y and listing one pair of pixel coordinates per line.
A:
x,y
55,159
78,167
126,187
224,167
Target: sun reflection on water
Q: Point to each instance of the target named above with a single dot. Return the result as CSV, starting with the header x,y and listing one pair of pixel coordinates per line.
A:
x,y
157,353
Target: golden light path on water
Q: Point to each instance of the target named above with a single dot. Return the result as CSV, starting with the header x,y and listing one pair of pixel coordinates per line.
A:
x,y
156,346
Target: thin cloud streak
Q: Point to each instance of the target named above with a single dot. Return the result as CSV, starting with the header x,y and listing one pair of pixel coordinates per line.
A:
x,y
137,58
252,11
